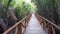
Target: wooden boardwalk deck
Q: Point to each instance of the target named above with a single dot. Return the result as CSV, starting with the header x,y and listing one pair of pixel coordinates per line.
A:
x,y
34,27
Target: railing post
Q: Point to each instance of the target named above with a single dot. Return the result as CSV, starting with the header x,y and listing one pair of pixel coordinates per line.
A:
x,y
16,30
19,29
49,29
25,22
44,24
53,30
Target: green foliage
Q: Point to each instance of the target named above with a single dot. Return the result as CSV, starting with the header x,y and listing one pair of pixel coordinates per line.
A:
x,y
5,2
21,8
0,0
49,9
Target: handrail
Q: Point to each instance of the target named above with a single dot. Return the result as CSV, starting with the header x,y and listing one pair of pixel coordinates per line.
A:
x,y
47,25
49,22
6,32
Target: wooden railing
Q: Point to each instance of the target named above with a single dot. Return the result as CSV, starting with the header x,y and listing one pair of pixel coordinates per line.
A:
x,y
19,27
47,25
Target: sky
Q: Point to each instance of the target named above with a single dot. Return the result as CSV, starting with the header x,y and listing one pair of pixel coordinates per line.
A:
x,y
28,1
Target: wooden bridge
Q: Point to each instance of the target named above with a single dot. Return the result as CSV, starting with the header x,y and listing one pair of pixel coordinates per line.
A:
x,y
33,24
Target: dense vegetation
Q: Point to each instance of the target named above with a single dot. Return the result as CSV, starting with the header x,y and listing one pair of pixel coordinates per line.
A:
x,y
12,11
49,9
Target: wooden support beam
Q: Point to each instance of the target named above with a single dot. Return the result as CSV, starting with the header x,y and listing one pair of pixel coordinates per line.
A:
x,y
19,29
53,30
49,29
16,30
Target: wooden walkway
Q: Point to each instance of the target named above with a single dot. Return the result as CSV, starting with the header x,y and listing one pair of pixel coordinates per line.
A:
x,y
33,24
34,27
